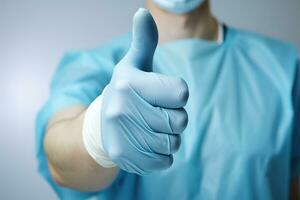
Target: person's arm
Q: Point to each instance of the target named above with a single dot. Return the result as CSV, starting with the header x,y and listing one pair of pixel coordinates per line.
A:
x,y
135,124
69,163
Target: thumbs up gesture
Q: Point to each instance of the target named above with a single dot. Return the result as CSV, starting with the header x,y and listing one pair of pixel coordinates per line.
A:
x,y
142,112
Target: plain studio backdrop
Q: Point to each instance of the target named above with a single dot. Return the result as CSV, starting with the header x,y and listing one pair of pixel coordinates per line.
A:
x,y
35,34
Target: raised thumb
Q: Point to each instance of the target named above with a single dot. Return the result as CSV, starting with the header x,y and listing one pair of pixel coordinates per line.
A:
x,y
144,40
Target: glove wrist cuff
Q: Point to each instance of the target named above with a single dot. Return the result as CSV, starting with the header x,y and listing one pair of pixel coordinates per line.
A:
x,y
91,132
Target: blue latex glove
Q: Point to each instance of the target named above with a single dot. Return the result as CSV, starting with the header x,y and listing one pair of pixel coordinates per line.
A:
x,y
142,112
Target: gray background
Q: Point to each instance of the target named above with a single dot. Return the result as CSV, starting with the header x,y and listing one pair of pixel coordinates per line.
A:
x,y
33,36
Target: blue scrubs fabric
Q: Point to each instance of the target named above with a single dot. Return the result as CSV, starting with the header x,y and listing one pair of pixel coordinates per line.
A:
x,y
243,136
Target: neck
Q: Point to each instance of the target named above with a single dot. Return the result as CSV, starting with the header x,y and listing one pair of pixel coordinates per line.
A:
x,y
196,24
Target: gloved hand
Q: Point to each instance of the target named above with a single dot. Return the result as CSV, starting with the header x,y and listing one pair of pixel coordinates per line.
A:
x,y
142,112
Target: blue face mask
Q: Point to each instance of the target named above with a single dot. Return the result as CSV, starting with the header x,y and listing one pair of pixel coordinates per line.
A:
x,y
179,6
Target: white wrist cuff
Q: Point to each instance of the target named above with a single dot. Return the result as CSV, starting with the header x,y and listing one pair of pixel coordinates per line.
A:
x,y
92,134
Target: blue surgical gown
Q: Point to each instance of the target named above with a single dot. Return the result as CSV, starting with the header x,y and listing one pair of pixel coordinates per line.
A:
x,y
242,140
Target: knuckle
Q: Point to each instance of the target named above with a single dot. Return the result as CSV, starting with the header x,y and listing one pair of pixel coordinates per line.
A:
x,y
183,91
182,120
175,142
